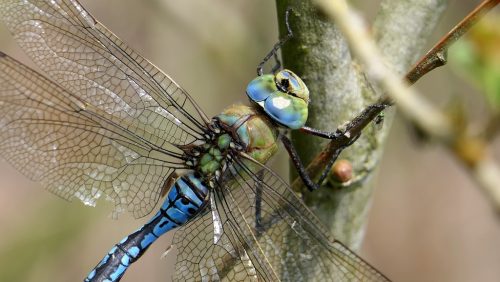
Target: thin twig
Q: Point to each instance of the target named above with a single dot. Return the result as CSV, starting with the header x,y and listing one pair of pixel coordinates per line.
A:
x,y
437,55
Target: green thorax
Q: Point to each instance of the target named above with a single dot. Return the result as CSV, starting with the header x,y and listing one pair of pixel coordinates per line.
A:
x,y
211,158
252,130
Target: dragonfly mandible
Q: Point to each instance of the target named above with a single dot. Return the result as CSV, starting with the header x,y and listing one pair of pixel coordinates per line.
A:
x,y
109,124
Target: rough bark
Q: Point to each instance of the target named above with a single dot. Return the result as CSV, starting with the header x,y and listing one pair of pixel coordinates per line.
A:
x,y
320,55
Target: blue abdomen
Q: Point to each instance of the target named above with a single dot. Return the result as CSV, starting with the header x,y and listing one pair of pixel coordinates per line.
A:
x,y
185,199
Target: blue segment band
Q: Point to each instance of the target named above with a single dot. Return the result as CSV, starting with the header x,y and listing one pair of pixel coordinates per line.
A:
x,y
185,198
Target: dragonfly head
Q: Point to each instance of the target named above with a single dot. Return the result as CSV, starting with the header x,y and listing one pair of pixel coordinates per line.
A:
x,y
283,96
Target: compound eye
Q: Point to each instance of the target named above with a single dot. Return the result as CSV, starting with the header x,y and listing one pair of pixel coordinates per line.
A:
x,y
289,82
261,87
284,85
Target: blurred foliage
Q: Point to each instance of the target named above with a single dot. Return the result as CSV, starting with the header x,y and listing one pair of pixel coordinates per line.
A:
x,y
477,58
37,244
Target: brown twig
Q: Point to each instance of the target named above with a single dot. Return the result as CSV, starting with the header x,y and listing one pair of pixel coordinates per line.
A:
x,y
434,58
437,55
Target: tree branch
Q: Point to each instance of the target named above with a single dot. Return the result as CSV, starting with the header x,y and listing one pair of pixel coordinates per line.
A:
x,y
426,64
437,55
320,55
432,121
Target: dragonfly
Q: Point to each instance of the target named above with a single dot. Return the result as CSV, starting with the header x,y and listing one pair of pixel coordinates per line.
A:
x,y
109,124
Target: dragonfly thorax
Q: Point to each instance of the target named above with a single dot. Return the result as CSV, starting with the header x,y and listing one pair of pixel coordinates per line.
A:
x,y
214,155
238,129
210,157
251,130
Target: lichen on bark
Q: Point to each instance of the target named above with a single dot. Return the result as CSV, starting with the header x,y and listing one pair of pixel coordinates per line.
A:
x,y
339,91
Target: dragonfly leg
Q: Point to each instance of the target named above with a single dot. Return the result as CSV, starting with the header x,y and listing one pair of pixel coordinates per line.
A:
x,y
276,47
355,123
334,157
259,227
320,133
277,64
301,170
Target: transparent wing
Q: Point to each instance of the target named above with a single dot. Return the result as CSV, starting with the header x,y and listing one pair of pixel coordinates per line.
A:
x,y
88,60
76,149
281,235
267,235
200,258
122,93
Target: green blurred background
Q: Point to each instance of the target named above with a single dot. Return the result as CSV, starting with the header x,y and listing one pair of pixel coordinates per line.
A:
x,y
429,222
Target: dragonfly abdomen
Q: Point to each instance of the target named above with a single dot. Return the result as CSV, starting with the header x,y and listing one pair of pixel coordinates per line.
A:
x,y
186,198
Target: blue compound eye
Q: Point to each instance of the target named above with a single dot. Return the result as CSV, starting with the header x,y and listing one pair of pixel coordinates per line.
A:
x,y
294,84
290,83
261,87
287,110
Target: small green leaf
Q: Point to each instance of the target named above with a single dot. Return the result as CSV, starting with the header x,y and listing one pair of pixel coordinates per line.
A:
x,y
477,58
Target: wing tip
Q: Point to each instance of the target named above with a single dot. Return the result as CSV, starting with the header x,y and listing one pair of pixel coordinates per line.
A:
x,y
2,54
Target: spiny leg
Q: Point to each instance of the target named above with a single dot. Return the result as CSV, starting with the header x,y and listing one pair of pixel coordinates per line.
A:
x,y
277,64
320,133
258,202
357,122
277,46
301,170
334,157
